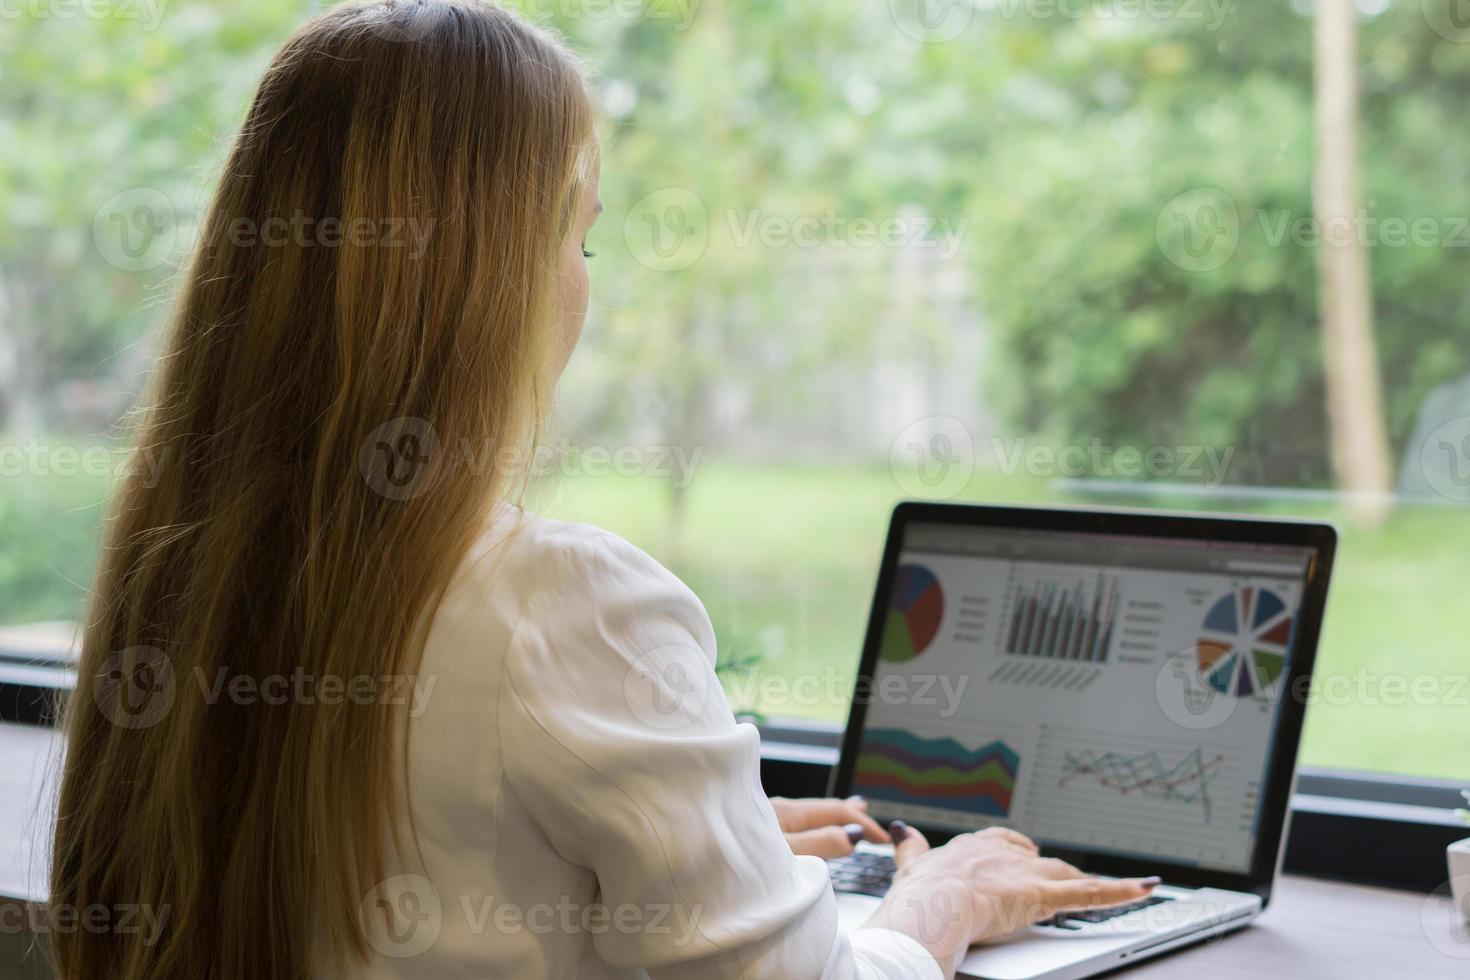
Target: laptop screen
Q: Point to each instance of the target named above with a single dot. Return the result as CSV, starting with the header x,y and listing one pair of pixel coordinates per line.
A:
x,y
1098,692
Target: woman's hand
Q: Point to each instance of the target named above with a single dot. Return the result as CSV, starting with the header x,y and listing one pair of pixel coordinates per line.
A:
x,y
826,828
983,885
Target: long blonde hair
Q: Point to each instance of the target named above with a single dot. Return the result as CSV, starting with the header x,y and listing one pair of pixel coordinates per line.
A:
x,y
324,410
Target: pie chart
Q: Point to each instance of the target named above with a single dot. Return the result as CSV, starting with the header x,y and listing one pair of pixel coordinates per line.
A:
x,y
1244,642
915,607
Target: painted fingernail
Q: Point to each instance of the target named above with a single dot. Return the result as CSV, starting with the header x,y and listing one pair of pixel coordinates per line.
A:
x,y
854,832
899,831
1150,881
855,798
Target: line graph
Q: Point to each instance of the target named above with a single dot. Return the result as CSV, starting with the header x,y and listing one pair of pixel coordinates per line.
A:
x,y
1186,799
1186,781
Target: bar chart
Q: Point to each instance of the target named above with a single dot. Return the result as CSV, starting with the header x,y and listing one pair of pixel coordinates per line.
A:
x,y
1063,619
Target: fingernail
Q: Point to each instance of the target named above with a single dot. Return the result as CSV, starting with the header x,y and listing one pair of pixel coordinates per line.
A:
x,y
1150,881
899,831
855,798
854,832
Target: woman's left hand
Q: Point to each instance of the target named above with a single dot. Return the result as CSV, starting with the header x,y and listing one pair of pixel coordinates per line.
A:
x,y
826,828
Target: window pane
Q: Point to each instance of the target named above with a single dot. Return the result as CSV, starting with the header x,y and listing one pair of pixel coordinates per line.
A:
x,y
994,251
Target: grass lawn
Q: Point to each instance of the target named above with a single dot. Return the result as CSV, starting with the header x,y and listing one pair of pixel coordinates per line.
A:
x,y
784,558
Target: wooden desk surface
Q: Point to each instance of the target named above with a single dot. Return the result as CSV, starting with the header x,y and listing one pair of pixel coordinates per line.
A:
x,y
1312,929
30,765
1317,928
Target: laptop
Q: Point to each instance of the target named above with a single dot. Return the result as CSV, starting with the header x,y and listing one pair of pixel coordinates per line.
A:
x,y
1126,688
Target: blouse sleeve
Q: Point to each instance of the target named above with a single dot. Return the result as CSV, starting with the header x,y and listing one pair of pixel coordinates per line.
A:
x,y
619,742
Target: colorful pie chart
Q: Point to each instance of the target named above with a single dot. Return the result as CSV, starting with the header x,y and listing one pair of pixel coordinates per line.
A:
x,y
915,607
1244,641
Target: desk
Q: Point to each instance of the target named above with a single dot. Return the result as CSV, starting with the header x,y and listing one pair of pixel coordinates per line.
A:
x,y
1317,928
1312,929
30,766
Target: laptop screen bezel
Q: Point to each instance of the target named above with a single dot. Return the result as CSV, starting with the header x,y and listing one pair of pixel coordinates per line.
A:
x,y
1280,777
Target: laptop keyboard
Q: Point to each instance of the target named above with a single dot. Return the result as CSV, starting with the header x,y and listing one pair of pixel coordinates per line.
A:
x,y
867,873
1076,920
862,873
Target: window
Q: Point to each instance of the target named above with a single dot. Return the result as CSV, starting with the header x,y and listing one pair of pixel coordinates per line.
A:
x,y
999,250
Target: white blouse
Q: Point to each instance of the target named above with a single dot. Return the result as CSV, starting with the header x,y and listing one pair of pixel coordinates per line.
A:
x,y
583,801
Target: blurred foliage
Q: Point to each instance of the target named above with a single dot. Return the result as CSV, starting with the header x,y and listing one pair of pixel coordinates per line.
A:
x,y
1101,335
1059,139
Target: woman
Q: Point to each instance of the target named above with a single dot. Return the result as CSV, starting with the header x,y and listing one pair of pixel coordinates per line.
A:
x,y
343,710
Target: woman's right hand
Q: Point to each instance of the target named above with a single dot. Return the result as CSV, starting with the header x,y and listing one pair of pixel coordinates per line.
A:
x,y
983,885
